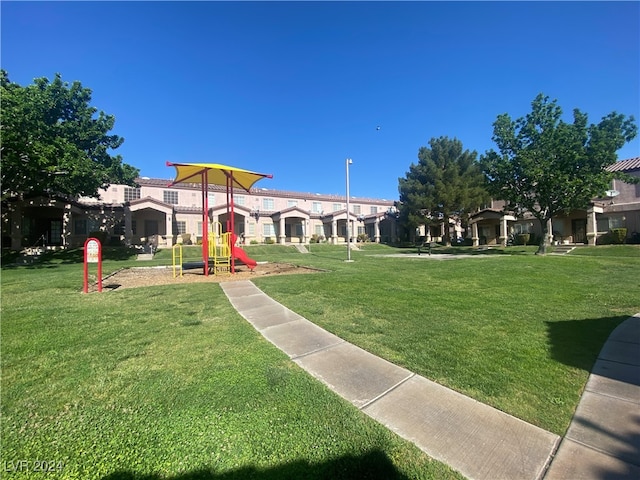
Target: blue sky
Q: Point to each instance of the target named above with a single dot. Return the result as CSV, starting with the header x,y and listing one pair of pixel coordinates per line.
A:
x,y
294,88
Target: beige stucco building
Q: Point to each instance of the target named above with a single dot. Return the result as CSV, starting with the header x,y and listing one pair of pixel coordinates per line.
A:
x,y
621,209
162,215
157,214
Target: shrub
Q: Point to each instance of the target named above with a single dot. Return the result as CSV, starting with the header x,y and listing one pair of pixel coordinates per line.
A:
x,y
269,241
618,235
254,242
363,237
315,238
523,238
115,241
100,235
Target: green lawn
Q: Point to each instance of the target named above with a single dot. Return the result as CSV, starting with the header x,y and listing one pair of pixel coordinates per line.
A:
x,y
520,333
170,382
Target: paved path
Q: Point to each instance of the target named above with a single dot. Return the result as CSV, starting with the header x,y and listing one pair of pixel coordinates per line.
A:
x,y
477,440
603,440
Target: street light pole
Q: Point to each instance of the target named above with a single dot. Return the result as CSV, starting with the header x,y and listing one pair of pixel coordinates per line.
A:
x,y
348,162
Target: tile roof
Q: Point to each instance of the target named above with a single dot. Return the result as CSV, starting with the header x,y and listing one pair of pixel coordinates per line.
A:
x,y
157,182
625,165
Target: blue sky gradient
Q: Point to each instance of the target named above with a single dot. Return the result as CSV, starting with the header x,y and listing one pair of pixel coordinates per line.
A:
x,y
294,88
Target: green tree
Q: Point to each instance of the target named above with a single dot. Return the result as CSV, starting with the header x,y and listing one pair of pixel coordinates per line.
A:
x,y
54,143
546,166
446,183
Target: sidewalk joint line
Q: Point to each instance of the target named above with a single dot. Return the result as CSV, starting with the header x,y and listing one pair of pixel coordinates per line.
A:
x,y
602,394
389,390
603,452
328,347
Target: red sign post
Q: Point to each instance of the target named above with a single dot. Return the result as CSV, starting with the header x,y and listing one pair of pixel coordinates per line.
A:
x,y
92,254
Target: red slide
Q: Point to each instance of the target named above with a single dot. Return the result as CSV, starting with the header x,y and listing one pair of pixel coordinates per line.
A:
x,y
240,254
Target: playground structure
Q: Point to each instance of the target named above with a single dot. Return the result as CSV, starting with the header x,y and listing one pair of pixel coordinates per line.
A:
x,y
222,243
221,252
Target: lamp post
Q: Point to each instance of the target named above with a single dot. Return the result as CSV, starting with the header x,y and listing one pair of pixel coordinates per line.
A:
x,y
348,162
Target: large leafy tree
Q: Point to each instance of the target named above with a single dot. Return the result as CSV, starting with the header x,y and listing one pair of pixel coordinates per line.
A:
x,y
546,166
55,142
446,183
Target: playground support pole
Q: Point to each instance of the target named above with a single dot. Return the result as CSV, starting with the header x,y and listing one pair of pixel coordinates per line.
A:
x,y
232,220
205,222
348,162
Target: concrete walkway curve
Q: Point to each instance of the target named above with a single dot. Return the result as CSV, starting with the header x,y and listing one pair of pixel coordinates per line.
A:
x,y
477,440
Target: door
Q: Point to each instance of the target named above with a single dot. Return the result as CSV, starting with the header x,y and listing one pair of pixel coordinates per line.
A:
x,y
150,227
55,232
579,230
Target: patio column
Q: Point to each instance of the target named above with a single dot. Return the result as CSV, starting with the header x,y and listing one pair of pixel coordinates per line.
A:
x,y
66,226
503,231
377,230
474,234
592,225
169,229
549,232
334,234
281,232
128,226
215,219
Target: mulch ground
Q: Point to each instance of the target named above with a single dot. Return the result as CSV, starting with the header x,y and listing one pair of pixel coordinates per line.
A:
x,y
148,276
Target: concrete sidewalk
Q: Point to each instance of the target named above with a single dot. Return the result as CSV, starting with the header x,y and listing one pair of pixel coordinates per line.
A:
x,y
603,440
477,440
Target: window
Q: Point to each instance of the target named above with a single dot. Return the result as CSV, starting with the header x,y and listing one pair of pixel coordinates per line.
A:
x,y
80,226
131,194
267,204
268,230
170,196
357,209
199,232
608,223
55,232
337,206
239,199
252,229
292,203
316,207
519,228
319,230
373,209
180,227
134,227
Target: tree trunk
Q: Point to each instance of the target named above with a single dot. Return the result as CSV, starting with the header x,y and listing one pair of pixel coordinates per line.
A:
x,y
447,231
544,241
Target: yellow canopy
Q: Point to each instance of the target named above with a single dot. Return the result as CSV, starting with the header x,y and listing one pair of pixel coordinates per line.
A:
x,y
216,174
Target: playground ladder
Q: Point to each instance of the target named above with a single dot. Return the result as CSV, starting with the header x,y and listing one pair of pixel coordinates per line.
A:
x,y
176,254
220,250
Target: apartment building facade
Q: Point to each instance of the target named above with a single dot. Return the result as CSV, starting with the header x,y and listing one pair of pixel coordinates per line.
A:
x,y
162,215
620,209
